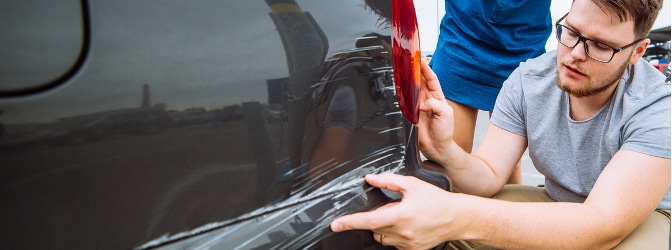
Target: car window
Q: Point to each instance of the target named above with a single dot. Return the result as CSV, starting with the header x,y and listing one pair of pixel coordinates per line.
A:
x,y
41,42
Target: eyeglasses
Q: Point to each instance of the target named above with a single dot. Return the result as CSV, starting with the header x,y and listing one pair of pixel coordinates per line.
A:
x,y
598,51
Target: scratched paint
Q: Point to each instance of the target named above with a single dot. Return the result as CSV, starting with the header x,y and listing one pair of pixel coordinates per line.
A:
x,y
298,222
302,221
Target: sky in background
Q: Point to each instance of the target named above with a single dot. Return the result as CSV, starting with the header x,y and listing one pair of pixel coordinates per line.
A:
x,y
429,13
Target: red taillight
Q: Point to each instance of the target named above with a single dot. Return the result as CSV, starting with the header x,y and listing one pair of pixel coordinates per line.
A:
x,y
407,56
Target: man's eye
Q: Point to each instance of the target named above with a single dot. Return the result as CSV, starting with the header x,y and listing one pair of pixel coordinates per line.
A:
x,y
602,46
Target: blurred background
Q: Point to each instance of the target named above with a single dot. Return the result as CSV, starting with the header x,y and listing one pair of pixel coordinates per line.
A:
x,y
430,12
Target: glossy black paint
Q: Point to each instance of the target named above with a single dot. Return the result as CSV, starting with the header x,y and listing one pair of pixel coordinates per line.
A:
x,y
186,124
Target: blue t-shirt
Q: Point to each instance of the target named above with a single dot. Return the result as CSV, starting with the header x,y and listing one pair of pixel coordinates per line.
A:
x,y
482,42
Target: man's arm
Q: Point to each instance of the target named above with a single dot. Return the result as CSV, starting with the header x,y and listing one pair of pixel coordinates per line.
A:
x,y
486,171
626,193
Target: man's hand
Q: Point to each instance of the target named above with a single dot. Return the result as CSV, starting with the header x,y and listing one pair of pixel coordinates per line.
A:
x,y
413,223
435,125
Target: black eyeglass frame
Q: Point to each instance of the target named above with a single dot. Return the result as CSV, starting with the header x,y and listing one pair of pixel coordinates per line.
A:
x,y
585,39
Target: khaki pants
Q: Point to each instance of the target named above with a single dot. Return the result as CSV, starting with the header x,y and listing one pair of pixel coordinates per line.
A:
x,y
653,233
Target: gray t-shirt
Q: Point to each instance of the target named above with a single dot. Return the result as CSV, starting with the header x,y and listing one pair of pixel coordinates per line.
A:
x,y
572,154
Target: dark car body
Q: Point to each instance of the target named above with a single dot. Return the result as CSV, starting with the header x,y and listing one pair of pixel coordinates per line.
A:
x,y
224,124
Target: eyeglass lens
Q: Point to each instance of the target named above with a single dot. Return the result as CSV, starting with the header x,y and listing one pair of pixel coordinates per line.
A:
x,y
596,50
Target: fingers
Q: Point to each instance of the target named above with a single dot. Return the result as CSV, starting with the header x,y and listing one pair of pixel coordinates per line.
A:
x,y
432,98
431,82
383,239
428,73
384,216
379,237
435,105
373,220
389,181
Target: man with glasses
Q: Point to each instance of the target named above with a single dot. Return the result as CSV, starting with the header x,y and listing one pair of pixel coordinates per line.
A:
x,y
595,117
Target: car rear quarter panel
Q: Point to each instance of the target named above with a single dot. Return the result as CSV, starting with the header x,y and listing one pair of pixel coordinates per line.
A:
x,y
202,120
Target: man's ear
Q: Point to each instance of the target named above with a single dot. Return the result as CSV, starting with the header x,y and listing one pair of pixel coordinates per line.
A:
x,y
640,48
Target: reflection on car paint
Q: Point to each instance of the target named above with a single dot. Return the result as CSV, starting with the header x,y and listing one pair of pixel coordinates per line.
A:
x,y
167,138
329,197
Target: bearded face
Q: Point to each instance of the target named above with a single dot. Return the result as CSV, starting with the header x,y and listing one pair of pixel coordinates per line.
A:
x,y
580,82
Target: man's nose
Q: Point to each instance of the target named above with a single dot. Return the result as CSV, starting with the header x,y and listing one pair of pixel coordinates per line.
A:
x,y
579,51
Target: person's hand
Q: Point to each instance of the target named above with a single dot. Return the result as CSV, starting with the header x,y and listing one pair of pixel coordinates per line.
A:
x,y
412,223
435,125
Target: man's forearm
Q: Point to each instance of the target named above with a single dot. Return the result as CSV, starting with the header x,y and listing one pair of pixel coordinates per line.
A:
x,y
505,224
468,173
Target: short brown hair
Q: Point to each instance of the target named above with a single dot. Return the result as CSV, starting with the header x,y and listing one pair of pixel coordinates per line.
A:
x,y
642,12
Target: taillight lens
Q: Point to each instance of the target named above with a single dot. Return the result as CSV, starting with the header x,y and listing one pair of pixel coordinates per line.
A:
x,y
407,56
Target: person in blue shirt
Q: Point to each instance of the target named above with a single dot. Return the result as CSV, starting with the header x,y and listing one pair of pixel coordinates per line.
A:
x,y
479,45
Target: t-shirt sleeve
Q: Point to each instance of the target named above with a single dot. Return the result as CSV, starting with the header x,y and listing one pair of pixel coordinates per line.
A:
x,y
508,112
648,130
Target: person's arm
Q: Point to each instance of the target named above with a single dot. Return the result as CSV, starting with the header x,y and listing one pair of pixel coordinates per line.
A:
x,y
626,193
486,171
